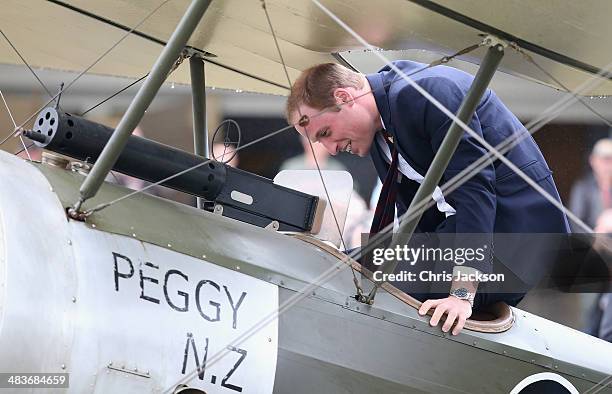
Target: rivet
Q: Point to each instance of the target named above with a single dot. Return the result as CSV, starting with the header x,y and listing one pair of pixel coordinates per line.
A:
x,y
238,267
69,242
547,348
203,256
269,339
93,225
133,235
282,283
474,343
532,360
51,189
556,366
169,245
384,317
505,352
73,299
313,293
63,366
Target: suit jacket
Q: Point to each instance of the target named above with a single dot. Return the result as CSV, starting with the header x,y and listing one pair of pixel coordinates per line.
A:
x,y
496,200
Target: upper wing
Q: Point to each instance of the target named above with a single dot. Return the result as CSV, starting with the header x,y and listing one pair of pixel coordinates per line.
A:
x,y
568,38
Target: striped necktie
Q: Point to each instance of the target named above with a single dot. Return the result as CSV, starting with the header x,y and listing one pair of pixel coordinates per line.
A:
x,y
384,213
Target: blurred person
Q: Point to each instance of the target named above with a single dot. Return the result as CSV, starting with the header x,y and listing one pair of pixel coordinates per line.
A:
x,y
225,153
592,194
600,317
605,326
306,161
358,216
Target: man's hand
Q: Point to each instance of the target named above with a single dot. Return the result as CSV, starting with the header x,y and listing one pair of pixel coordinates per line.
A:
x,y
455,308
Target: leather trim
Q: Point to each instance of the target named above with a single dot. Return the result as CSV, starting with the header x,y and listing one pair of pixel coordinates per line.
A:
x,y
495,319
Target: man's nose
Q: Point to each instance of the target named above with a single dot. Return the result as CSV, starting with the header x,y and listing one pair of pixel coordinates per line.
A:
x,y
330,146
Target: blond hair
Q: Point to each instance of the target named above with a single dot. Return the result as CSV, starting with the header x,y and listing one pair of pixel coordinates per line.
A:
x,y
315,87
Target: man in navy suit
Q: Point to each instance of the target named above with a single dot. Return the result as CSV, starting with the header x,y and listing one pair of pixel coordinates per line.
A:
x,y
377,113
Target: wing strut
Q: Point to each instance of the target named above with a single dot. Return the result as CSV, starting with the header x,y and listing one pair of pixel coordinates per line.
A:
x,y
447,149
141,102
198,97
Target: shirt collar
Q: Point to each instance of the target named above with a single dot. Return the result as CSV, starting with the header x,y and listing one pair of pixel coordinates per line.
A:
x,y
379,91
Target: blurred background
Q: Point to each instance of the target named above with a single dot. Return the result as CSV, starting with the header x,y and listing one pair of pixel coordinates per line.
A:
x,y
566,141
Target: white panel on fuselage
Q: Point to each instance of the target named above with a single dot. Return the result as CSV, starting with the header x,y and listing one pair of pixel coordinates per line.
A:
x,y
149,309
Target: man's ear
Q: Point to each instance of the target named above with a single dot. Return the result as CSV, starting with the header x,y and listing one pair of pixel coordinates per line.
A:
x,y
342,96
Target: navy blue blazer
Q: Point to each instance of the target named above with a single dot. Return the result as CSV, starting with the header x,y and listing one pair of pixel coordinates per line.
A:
x,y
496,200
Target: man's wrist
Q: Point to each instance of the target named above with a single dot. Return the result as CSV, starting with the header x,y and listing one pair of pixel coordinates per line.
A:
x,y
462,289
463,294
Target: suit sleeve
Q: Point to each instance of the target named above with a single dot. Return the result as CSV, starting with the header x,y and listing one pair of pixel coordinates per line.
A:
x,y
474,200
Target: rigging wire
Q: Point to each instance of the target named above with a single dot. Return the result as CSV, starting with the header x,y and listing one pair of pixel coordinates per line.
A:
x,y
603,383
65,89
531,60
31,144
15,124
26,63
355,254
115,94
99,207
304,292
532,127
126,35
461,124
312,151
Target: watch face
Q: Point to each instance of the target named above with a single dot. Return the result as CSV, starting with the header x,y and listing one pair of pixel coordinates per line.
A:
x,y
461,292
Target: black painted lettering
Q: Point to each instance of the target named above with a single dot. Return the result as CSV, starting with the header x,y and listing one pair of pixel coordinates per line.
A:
x,y
224,383
148,279
200,368
185,296
215,304
234,308
116,257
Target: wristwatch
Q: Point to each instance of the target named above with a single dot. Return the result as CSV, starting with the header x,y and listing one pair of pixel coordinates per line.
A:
x,y
463,294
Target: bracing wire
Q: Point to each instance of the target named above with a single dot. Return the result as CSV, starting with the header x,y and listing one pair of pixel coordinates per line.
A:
x,y
98,59
312,151
302,293
15,125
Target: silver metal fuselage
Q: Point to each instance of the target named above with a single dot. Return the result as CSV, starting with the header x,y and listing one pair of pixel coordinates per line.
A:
x,y
121,301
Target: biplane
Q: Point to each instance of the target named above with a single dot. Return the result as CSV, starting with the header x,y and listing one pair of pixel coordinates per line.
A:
x,y
120,291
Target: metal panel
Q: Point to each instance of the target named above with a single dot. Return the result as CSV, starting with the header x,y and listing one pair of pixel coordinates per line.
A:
x,y
37,277
115,312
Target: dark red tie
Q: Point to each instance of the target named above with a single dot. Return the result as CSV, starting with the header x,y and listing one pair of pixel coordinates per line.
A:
x,y
385,208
